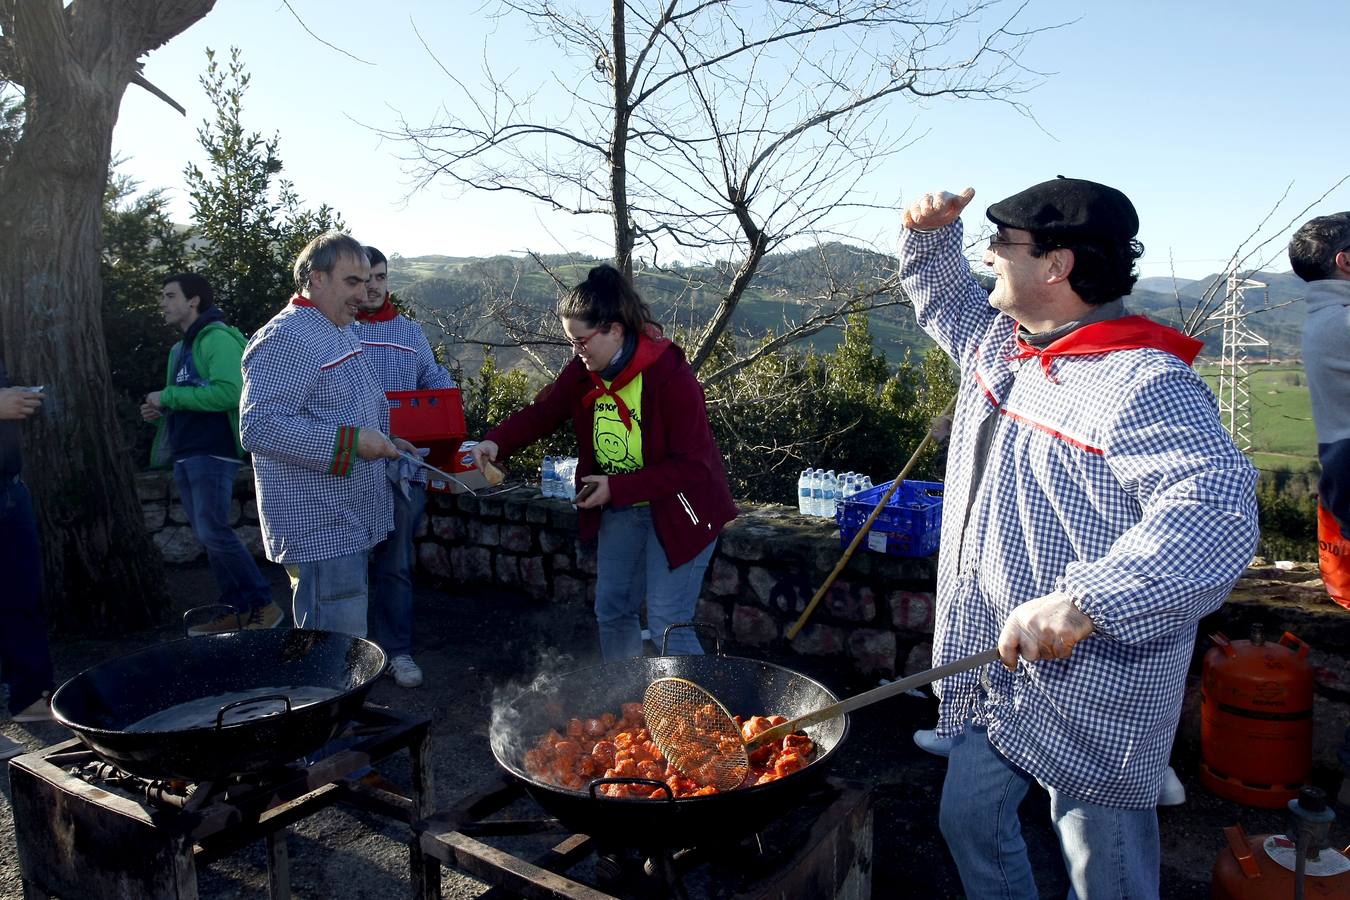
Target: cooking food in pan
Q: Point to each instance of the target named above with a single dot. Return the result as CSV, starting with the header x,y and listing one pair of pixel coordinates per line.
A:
x,y
620,746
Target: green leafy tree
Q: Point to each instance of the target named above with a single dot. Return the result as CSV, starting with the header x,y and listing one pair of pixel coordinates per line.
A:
x,y
251,222
845,410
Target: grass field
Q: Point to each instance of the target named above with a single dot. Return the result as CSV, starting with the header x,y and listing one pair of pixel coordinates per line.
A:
x,y
1283,436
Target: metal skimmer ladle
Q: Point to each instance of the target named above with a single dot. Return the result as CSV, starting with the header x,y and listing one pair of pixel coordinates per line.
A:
x,y
695,731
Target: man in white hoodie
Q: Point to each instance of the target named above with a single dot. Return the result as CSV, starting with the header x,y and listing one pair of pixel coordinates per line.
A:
x,y
1320,255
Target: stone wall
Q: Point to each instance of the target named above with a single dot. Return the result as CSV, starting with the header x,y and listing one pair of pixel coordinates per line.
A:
x,y
878,616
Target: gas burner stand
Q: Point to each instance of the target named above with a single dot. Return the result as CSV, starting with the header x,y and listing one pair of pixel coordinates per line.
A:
x,y
821,849
118,836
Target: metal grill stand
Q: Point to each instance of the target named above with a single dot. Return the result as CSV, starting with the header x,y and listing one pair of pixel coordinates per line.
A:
x,y
821,849
83,829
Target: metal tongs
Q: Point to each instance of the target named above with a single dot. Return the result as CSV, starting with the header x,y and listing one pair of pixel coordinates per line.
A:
x,y
441,473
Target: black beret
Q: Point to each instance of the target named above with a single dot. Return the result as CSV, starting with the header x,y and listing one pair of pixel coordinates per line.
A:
x,y
1069,207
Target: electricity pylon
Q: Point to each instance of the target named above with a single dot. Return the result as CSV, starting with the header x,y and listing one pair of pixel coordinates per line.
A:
x,y
1235,402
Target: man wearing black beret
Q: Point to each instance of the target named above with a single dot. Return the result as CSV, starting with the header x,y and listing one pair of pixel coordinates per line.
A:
x,y
1095,510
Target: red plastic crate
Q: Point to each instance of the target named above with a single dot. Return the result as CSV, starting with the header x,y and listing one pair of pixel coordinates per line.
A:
x,y
432,419
434,415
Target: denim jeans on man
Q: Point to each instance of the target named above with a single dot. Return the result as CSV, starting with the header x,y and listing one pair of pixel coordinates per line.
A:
x,y
331,594
25,658
1110,854
630,565
205,487
391,576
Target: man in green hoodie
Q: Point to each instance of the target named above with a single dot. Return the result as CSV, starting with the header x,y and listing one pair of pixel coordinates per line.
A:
x,y
198,431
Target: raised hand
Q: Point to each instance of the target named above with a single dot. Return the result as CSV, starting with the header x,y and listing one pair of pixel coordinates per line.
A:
x,y
936,209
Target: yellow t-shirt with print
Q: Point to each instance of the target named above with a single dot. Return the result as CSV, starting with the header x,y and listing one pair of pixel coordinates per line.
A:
x,y
618,450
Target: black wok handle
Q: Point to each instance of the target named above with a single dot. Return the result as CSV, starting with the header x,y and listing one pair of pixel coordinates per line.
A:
x,y
220,715
866,698
238,617
716,634
650,782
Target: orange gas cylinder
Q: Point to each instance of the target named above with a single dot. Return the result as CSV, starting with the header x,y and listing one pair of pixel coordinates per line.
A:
x,y
1256,719
1262,868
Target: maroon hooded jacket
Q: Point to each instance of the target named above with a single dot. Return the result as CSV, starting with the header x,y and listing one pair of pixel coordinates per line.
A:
x,y
682,474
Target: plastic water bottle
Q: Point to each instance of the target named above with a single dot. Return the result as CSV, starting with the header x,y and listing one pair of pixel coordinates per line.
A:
x,y
866,483
850,486
804,492
548,479
831,486
817,493
566,483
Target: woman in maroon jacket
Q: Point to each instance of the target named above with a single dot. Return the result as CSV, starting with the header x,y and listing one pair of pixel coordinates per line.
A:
x,y
659,497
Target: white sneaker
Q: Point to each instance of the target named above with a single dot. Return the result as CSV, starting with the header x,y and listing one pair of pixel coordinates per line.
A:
x,y
1173,792
929,741
405,672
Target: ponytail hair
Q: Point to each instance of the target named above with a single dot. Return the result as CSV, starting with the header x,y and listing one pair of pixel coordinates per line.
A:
x,y
607,296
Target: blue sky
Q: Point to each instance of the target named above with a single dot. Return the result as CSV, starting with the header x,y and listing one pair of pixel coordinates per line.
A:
x,y
1204,113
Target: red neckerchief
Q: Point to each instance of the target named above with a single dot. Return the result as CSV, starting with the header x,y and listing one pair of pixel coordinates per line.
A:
x,y
301,300
383,314
1125,333
650,346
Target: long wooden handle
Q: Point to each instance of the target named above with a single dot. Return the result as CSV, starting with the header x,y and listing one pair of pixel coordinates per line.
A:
x,y
867,698
866,527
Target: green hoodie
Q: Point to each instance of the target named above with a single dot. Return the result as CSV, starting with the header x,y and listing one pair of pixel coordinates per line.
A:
x,y
216,353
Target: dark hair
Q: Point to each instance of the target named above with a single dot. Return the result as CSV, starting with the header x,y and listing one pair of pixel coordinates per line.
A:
x,y
606,296
375,256
1102,270
193,285
322,254
1312,252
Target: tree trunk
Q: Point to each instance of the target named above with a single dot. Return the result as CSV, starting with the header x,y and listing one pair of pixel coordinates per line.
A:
x,y
100,568
618,148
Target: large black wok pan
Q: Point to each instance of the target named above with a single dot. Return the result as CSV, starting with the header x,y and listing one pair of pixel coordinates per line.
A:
x,y
292,667
745,686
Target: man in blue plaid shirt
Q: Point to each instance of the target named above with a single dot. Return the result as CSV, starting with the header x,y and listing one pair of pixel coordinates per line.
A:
x,y
315,419
1095,510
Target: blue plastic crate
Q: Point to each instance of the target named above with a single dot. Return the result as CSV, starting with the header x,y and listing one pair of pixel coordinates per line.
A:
x,y
910,525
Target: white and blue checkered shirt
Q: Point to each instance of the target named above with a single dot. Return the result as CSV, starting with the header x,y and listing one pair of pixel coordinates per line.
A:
x,y
307,390
1112,481
398,351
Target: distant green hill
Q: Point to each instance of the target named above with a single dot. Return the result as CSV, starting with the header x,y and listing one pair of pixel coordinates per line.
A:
x,y
468,288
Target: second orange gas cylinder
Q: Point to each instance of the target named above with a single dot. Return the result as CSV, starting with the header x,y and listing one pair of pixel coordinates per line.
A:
x,y
1256,719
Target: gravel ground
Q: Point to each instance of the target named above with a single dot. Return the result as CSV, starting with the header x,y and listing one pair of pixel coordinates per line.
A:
x,y
473,644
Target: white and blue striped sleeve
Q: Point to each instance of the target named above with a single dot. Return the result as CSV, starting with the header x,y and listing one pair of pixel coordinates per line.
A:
x,y
280,371
949,303
1198,522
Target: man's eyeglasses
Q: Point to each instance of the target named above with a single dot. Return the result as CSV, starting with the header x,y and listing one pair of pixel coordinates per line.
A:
x,y
579,344
996,241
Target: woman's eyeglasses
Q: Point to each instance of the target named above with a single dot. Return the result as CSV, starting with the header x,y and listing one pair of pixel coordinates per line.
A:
x,y
579,344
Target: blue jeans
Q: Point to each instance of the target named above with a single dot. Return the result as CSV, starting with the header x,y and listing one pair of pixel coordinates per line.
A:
x,y
331,594
25,657
205,486
630,565
1110,854
391,576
